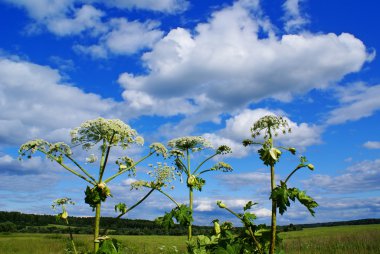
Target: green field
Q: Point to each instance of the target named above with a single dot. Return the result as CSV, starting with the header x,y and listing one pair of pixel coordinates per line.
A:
x,y
362,239
323,240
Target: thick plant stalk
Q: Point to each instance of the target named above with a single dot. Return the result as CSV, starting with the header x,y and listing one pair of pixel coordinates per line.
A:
x,y
97,227
190,234
274,213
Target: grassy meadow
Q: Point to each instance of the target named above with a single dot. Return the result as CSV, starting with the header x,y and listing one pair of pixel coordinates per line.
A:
x,y
324,240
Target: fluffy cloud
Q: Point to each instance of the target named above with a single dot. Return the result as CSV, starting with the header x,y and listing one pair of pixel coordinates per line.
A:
x,y
361,177
372,145
356,101
72,17
123,38
36,103
84,18
294,20
238,128
225,61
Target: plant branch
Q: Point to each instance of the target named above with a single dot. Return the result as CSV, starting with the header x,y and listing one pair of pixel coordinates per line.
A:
x,y
106,158
295,170
200,165
80,167
125,170
129,209
169,197
66,167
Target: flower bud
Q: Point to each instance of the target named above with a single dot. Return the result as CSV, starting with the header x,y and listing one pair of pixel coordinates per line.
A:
x,y
310,166
220,204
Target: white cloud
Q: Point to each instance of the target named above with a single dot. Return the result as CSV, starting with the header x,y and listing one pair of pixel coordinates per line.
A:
x,y
293,17
169,6
361,177
225,62
72,17
37,104
85,18
123,38
238,128
262,212
356,101
128,181
43,9
372,145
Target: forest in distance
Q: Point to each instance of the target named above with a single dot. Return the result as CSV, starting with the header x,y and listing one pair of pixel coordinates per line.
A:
x,y
35,223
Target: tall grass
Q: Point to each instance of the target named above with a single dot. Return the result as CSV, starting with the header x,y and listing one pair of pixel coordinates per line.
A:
x,y
335,240
324,240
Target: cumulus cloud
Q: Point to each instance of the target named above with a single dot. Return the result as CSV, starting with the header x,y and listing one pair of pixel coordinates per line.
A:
x,y
372,145
85,18
356,101
123,38
225,62
294,20
238,128
36,103
71,17
361,177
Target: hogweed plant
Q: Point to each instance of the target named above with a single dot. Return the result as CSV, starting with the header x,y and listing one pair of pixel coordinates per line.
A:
x,y
182,149
105,134
270,126
64,215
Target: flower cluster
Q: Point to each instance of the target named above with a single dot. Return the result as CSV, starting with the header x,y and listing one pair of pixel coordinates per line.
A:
x,y
159,149
162,174
30,147
126,163
270,125
223,149
193,143
112,131
54,150
222,166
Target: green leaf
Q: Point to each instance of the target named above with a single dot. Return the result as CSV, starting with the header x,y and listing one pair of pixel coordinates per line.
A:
x,y
248,218
249,205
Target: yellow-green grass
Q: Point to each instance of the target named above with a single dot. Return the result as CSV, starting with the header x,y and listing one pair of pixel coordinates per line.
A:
x,y
23,243
361,239
324,240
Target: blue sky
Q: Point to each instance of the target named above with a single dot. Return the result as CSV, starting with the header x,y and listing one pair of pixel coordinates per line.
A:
x,y
172,68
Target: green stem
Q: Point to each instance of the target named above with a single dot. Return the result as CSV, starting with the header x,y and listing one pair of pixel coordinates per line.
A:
x,y
67,168
189,236
106,158
169,197
97,227
181,163
200,165
81,168
129,209
248,227
125,170
191,196
274,207
295,170
274,213
71,236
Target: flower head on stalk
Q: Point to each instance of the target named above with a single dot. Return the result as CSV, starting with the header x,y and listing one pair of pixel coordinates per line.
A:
x,y
112,131
193,143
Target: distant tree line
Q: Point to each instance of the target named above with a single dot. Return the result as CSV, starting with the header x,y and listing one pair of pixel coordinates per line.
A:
x,y
33,223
